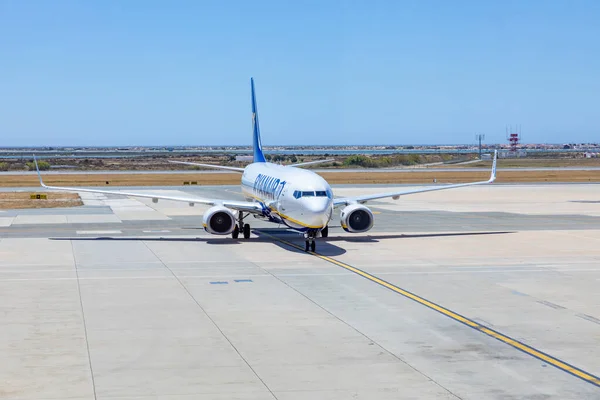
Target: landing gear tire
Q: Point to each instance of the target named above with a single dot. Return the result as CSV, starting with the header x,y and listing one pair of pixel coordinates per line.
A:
x,y
325,231
241,227
309,241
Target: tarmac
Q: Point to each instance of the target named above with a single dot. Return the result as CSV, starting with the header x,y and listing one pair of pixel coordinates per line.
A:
x,y
487,292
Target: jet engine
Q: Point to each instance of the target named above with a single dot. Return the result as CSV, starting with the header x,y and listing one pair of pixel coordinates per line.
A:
x,y
219,220
356,218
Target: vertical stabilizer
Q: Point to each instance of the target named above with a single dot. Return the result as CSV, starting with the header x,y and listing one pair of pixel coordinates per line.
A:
x,y
256,144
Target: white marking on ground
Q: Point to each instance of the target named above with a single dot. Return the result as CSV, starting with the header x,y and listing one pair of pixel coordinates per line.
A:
x,y
98,232
6,221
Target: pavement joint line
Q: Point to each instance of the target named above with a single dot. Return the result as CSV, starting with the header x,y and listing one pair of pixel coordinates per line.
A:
x,y
85,331
370,339
211,319
285,274
555,362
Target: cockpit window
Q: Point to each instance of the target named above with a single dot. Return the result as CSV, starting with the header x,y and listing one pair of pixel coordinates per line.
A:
x,y
319,193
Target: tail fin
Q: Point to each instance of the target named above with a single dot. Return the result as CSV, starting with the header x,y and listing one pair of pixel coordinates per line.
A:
x,y
256,143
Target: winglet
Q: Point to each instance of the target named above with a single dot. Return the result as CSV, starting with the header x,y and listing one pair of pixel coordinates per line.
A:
x,y
37,168
493,175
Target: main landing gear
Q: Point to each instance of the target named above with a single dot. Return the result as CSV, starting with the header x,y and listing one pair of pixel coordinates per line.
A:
x,y
241,227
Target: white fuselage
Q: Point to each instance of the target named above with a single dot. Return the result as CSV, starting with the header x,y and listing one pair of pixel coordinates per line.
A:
x,y
298,198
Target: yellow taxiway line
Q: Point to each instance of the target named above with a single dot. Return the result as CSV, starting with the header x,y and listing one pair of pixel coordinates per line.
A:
x,y
578,372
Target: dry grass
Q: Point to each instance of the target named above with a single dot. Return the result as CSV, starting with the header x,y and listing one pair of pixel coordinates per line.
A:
x,y
22,200
131,179
366,177
420,177
531,163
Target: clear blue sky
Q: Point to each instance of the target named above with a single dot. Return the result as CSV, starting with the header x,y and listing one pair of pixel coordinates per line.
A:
x,y
327,72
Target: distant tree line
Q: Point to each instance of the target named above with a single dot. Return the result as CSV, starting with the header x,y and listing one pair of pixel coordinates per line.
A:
x,y
43,165
14,166
281,158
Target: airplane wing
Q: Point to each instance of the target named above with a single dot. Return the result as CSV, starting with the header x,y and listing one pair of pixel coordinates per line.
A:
x,y
310,163
396,195
246,206
236,169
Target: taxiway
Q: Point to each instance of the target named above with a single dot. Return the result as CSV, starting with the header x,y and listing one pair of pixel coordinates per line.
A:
x,y
483,292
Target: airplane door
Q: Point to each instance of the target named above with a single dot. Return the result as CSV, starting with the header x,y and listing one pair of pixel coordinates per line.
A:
x,y
281,199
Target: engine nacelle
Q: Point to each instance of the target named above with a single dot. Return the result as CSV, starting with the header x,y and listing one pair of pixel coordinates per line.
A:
x,y
356,218
219,220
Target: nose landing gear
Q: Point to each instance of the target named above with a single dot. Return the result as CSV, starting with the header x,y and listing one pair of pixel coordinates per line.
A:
x,y
309,241
310,244
310,238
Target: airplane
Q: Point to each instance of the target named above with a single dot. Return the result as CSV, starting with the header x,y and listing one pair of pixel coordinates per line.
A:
x,y
287,195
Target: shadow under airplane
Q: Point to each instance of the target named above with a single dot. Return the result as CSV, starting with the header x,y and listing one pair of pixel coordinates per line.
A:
x,y
288,240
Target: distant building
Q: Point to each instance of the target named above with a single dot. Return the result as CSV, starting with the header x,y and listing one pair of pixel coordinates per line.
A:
x,y
512,154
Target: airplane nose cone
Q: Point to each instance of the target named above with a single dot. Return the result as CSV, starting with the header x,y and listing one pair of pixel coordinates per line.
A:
x,y
317,205
319,212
